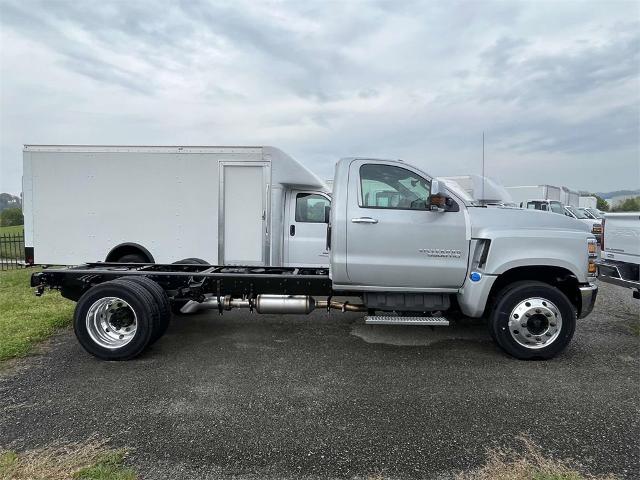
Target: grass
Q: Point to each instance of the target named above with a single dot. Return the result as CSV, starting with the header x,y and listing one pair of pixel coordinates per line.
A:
x,y
26,319
88,461
635,327
17,229
526,463
9,247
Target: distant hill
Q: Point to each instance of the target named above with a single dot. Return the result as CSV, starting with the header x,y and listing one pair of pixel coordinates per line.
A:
x,y
9,201
617,193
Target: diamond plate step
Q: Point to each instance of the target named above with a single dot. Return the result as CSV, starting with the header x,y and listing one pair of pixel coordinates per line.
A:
x,y
384,320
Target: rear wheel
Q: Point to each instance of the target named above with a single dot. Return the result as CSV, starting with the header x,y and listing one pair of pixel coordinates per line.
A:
x,y
176,305
161,300
115,320
532,320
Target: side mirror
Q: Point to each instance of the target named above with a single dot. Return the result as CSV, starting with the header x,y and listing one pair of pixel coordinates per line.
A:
x,y
438,200
327,214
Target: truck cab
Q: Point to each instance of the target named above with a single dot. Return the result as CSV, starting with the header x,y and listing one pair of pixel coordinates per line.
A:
x,y
553,206
405,239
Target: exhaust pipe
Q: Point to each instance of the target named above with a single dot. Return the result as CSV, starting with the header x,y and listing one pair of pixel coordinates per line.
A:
x,y
268,303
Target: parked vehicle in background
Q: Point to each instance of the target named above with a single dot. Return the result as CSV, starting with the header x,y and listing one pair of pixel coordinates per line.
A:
x,y
553,206
412,249
524,193
588,201
223,205
595,226
599,214
569,197
484,190
620,251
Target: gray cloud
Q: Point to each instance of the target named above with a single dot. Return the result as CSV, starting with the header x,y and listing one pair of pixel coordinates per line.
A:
x,y
554,84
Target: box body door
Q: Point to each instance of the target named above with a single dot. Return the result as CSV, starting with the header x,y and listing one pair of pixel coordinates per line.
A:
x,y
243,238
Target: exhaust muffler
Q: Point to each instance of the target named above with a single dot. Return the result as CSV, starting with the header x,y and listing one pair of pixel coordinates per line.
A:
x,y
268,303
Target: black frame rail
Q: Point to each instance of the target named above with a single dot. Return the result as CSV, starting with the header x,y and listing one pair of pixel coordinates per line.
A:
x,y
188,281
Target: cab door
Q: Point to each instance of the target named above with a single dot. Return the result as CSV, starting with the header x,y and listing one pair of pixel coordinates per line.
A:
x,y
306,229
393,239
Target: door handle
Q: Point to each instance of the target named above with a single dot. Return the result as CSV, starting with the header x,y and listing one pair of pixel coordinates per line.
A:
x,y
364,220
292,230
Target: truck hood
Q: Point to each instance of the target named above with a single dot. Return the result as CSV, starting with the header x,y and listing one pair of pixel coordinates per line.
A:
x,y
484,220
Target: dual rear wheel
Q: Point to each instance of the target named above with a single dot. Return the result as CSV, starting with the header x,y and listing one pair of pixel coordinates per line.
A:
x,y
118,319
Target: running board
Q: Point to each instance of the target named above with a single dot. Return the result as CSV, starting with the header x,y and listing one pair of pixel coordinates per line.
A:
x,y
389,320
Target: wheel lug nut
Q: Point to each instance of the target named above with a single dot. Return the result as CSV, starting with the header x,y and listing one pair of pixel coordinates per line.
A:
x,y
552,324
528,335
523,325
537,310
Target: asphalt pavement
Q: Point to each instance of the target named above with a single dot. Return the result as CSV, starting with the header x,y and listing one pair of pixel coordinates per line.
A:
x,y
321,396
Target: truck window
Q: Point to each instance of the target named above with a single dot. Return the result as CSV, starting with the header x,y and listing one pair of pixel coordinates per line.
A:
x,y
387,186
556,207
537,206
310,207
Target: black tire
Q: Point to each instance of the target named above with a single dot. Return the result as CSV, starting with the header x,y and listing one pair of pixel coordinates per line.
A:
x,y
514,295
161,300
192,261
132,258
176,305
138,299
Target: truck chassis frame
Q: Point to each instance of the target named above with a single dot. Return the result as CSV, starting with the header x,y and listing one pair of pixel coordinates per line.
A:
x,y
188,281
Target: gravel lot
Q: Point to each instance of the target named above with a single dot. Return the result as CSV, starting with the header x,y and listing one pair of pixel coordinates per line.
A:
x,y
318,396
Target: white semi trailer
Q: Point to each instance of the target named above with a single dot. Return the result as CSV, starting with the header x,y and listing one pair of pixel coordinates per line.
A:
x,y
221,205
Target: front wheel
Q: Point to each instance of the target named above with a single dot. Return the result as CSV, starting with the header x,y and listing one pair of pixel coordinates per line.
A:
x,y
532,320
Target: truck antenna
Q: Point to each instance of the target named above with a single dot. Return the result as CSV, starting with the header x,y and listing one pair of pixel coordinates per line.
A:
x,y
483,166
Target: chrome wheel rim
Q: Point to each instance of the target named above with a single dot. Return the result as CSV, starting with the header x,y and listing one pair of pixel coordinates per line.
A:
x,y
535,323
111,322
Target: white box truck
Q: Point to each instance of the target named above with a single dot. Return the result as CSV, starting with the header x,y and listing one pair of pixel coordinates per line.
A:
x,y
569,197
588,202
483,189
222,205
523,193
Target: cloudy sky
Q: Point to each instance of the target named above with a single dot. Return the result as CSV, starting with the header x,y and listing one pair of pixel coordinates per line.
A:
x,y
555,85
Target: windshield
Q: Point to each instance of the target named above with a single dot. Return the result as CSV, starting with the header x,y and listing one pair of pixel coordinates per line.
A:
x,y
576,212
595,213
587,213
556,207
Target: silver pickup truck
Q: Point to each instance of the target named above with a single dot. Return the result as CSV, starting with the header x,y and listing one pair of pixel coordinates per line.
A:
x,y
414,251
620,251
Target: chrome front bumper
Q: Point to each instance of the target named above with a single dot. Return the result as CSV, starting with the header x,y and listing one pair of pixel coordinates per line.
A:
x,y
588,294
